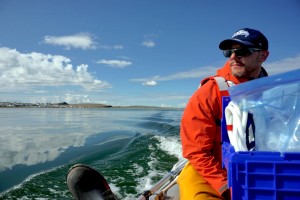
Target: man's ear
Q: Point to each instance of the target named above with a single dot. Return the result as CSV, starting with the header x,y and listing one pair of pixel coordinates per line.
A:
x,y
264,55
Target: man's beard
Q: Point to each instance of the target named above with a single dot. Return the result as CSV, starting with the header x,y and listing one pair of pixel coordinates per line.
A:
x,y
243,72
239,73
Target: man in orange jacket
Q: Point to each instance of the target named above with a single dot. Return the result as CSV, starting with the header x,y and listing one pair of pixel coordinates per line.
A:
x,y
203,177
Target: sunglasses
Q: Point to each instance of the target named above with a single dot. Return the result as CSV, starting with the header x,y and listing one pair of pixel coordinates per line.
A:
x,y
241,52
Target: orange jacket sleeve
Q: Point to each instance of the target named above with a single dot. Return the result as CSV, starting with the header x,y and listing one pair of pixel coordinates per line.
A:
x,y
201,135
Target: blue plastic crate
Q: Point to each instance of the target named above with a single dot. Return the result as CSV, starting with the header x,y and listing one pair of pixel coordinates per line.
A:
x,y
260,175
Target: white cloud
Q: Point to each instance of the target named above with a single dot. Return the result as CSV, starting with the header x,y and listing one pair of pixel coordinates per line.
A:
x,y
81,41
284,65
109,47
150,83
148,43
274,67
73,98
194,73
115,63
34,70
118,47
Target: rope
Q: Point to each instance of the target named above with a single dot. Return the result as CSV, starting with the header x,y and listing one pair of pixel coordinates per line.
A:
x,y
236,121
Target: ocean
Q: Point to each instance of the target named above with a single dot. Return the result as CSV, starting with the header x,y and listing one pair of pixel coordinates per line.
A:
x,y
132,148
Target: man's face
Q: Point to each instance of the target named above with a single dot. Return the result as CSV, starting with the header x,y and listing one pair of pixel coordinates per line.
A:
x,y
248,66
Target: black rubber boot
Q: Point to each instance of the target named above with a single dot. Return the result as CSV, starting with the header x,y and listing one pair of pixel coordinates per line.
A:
x,y
86,183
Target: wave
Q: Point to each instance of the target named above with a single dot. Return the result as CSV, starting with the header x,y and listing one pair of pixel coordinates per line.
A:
x,y
133,152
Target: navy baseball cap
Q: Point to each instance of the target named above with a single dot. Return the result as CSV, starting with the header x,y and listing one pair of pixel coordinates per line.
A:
x,y
246,37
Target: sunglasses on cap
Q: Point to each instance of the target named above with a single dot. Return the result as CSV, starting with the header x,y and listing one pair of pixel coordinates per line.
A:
x,y
240,52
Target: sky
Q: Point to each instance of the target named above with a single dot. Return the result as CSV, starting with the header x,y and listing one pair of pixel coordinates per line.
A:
x,y
131,52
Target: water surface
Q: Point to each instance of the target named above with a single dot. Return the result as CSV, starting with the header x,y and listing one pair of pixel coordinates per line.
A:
x,y
132,148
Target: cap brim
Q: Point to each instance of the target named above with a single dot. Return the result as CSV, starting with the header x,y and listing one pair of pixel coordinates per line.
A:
x,y
227,44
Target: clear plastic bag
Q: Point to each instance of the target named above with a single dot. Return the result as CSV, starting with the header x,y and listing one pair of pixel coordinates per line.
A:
x,y
274,102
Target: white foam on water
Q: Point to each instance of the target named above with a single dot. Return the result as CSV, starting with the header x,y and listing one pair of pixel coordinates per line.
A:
x,y
129,197
57,190
146,182
24,198
171,145
137,169
114,189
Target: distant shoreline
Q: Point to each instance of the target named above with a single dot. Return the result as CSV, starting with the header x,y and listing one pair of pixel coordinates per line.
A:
x,y
67,105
